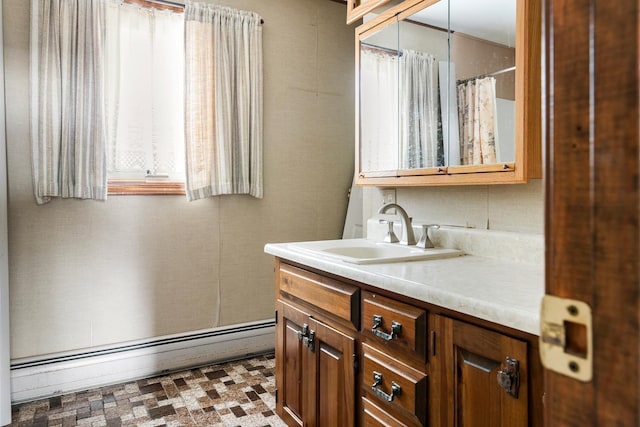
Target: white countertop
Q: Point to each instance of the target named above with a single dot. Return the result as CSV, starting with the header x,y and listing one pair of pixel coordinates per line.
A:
x,y
505,292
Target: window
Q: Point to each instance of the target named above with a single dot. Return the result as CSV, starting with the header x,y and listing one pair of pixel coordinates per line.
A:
x,y
145,97
118,79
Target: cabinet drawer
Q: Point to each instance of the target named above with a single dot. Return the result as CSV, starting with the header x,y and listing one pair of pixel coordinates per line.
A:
x,y
373,416
394,386
385,313
334,297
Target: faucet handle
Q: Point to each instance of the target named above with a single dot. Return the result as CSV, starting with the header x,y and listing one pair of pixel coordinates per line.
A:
x,y
390,236
424,241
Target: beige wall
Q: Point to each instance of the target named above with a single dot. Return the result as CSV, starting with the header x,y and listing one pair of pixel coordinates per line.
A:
x,y
85,273
474,57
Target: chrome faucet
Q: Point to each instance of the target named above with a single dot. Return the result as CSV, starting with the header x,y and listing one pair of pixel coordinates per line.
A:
x,y
408,238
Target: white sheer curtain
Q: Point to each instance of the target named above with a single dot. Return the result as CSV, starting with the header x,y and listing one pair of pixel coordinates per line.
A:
x,y
477,120
68,131
145,80
420,129
378,110
223,101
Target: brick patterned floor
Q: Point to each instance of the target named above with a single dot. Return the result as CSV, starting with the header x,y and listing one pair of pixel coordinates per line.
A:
x,y
238,393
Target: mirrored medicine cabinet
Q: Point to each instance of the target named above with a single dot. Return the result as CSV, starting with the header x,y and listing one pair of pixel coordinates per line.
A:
x,y
448,93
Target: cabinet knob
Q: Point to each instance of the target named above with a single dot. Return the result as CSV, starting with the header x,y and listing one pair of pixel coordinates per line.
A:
x,y
304,332
396,327
310,340
396,390
509,377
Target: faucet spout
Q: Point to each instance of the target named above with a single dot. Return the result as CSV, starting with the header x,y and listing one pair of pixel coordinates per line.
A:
x,y
408,238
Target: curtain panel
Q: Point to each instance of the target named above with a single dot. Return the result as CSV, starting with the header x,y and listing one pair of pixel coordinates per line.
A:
x,y
145,91
378,109
477,116
67,120
420,124
223,101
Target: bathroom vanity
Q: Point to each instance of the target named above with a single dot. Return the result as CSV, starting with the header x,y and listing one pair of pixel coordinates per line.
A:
x,y
442,340
438,342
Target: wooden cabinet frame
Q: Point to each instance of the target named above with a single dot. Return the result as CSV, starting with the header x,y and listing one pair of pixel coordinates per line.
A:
x,y
356,9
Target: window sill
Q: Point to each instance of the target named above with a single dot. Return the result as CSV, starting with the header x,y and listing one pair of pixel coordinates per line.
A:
x,y
145,187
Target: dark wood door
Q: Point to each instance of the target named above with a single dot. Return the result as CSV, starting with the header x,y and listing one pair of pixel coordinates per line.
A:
x,y
315,371
332,375
292,364
592,201
472,358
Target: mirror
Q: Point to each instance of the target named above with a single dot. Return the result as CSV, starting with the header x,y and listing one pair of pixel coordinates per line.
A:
x,y
379,99
483,62
437,88
423,82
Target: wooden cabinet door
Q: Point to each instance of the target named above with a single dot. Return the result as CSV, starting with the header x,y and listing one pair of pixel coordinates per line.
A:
x,y
332,400
292,363
314,371
472,358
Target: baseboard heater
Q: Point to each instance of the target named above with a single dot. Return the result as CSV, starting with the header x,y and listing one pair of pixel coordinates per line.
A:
x,y
40,377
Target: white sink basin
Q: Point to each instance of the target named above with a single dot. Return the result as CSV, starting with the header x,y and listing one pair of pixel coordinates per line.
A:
x,y
362,251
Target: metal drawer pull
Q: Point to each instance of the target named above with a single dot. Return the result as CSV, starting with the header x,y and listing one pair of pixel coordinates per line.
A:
x,y
395,388
377,322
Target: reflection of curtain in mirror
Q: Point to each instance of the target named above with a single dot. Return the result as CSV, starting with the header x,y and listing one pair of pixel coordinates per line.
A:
x,y
420,127
477,121
378,109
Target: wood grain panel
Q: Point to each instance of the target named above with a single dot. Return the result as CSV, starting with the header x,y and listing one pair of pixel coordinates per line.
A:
x,y
569,182
373,416
616,207
592,189
290,364
334,401
412,337
336,298
473,358
330,385
356,9
412,401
